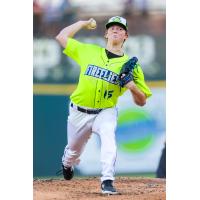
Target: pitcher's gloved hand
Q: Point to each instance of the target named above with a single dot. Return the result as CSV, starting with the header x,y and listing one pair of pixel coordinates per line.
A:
x,y
126,72
125,78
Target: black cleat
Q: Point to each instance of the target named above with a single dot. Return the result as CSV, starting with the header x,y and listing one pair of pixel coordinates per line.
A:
x,y
68,172
107,187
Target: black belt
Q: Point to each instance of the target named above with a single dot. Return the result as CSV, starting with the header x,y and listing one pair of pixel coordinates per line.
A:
x,y
88,111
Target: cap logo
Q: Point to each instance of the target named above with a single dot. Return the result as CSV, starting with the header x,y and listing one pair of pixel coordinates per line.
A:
x,y
117,19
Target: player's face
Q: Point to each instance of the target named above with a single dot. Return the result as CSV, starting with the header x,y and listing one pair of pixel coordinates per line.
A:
x,y
116,34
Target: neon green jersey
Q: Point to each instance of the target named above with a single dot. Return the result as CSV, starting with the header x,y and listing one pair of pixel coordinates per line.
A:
x,y
98,86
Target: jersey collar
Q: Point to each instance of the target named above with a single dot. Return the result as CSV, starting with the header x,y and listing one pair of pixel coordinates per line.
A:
x,y
124,58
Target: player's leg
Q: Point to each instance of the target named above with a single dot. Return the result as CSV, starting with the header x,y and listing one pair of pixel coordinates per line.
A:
x,y
105,126
77,138
79,130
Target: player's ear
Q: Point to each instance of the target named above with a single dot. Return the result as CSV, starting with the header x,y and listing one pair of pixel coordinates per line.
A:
x,y
106,35
126,35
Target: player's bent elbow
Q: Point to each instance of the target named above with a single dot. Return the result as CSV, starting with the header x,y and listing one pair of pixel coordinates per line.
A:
x,y
140,102
143,103
62,41
58,37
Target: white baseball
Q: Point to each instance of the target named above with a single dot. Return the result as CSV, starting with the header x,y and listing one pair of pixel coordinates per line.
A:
x,y
93,23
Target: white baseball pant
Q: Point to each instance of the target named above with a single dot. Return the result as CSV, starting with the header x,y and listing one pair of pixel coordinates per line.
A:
x,y
80,126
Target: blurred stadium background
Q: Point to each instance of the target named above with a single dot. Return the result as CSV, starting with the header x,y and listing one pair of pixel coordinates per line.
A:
x,y
141,131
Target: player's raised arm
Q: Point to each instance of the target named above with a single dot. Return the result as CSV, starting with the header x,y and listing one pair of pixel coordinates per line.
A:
x,y
70,31
138,96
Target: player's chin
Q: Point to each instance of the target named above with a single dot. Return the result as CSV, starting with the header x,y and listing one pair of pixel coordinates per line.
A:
x,y
116,40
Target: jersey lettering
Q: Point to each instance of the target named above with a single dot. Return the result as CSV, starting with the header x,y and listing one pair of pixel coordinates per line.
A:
x,y
114,77
107,76
98,72
102,73
94,69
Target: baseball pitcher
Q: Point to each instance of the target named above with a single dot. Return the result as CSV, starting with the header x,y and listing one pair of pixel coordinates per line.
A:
x,y
106,73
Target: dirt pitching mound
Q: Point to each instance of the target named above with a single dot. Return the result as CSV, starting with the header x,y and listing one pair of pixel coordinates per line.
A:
x,y
89,188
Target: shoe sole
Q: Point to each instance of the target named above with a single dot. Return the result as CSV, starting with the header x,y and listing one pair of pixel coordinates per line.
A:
x,y
109,192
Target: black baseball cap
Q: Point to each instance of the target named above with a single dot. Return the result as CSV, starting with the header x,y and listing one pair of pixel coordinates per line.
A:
x,y
120,21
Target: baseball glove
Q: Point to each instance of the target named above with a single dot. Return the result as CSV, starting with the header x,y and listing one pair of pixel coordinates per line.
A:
x,y
126,72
